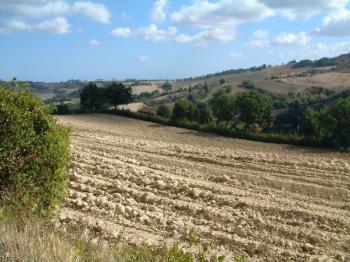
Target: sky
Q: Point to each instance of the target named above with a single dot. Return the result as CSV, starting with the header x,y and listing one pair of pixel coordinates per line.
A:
x,y
58,40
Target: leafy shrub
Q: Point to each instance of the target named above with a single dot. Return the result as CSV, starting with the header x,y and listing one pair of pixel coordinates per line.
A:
x,y
33,154
184,110
163,111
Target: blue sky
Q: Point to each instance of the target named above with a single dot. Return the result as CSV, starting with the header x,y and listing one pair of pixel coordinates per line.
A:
x,y
57,40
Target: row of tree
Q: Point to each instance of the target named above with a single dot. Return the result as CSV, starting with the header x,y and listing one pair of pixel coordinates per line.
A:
x,y
253,112
249,110
93,98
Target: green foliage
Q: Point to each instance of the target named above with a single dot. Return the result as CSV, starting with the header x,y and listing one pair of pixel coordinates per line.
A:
x,y
247,84
222,81
163,111
303,63
330,126
227,88
223,107
254,108
33,154
341,114
91,98
184,111
167,86
280,103
205,115
117,94
62,109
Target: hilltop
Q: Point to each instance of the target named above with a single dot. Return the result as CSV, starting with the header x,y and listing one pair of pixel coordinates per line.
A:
x,y
315,80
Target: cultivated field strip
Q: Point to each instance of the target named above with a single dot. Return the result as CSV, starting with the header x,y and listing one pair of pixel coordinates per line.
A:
x,y
148,183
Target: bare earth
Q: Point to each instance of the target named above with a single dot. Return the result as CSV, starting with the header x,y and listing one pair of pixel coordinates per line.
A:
x,y
147,182
331,80
144,88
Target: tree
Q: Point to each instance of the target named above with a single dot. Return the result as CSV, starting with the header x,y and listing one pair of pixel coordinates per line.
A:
x,y
247,84
117,94
254,109
184,110
310,123
206,87
167,86
163,111
341,114
222,81
33,154
205,115
223,107
91,98
62,109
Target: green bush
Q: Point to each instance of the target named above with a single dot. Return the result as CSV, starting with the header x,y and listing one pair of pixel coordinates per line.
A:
x,y
164,111
33,154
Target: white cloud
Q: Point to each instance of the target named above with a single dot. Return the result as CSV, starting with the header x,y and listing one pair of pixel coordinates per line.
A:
x,y
143,59
316,51
96,12
202,38
152,33
235,55
261,33
303,9
282,39
57,25
221,14
123,32
49,8
335,24
158,12
94,42
291,39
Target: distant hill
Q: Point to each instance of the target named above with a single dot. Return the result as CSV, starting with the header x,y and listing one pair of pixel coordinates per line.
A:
x,y
341,62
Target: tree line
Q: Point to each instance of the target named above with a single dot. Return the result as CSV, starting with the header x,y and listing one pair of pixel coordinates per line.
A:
x,y
248,112
93,98
252,112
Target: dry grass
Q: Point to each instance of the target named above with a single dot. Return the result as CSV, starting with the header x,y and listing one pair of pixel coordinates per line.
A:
x,y
40,241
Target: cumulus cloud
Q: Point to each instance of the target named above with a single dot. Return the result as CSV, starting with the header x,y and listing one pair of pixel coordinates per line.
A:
x,y
335,24
57,25
202,38
291,39
282,39
152,33
301,9
123,32
97,12
218,20
49,8
94,42
220,14
261,33
159,12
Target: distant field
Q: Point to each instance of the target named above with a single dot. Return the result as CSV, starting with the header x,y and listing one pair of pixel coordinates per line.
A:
x,y
332,80
144,88
146,182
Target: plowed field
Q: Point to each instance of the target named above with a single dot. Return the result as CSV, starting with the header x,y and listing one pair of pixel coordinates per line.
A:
x,y
150,183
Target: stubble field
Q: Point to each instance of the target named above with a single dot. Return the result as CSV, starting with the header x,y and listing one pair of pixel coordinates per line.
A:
x,y
149,183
